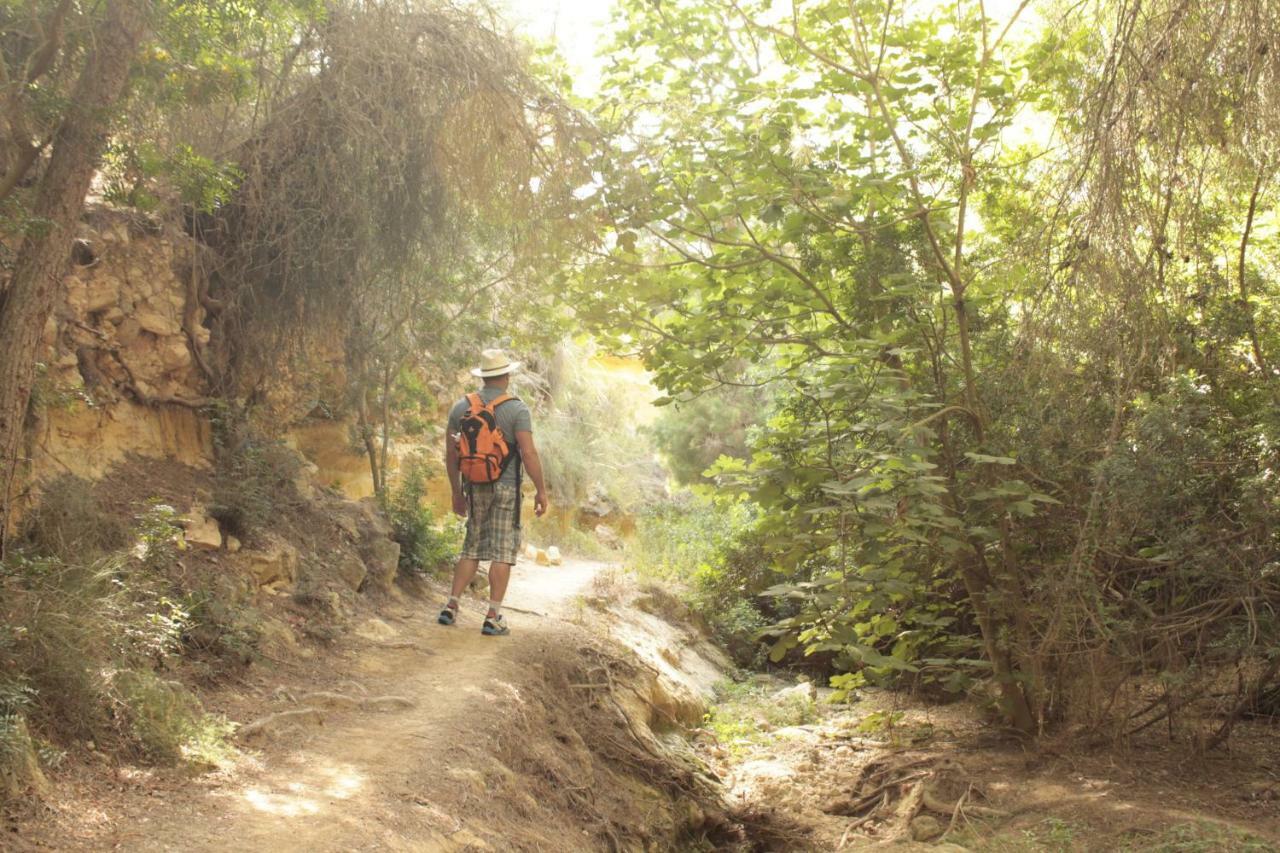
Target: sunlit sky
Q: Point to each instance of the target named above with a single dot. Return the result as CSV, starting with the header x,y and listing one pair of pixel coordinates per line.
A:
x,y
578,28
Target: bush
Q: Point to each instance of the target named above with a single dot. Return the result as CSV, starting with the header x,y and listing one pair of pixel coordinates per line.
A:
x,y
693,434
70,524
78,641
161,716
426,545
706,546
253,477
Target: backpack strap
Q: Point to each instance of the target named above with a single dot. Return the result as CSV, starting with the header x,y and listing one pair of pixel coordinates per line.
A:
x,y
475,403
498,400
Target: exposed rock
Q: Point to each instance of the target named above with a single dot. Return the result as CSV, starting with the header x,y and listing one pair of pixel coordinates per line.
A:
x,y
201,531
542,558
275,564
804,690
351,569
373,516
174,354
277,639
274,725
530,552
347,524
598,503
608,537
233,544
156,321
304,480
382,560
20,772
553,556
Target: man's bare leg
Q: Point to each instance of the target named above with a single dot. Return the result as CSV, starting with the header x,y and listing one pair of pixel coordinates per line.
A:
x,y
462,575
499,576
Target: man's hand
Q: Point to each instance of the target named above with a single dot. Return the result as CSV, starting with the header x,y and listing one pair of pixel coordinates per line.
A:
x,y
460,504
540,503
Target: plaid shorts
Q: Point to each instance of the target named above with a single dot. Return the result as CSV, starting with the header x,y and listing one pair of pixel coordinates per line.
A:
x,y
492,533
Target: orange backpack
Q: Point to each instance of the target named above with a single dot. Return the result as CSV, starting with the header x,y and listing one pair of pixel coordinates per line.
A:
x,y
483,452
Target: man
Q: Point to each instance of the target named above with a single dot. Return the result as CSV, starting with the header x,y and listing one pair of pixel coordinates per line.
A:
x,y
481,427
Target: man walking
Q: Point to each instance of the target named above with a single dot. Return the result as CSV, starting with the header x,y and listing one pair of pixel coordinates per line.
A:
x,y
488,445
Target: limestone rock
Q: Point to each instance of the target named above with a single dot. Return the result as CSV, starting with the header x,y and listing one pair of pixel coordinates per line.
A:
x,y
174,354
347,524
598,503
608,537
127,332
530,552
352,570
304,480
275,564
157,321
805,690
201,531
373,517
233,544
553,556
277,639
101,293
542,558
382,560
20,771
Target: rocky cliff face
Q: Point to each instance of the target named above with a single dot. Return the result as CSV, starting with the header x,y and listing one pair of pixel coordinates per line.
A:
x,y
124,368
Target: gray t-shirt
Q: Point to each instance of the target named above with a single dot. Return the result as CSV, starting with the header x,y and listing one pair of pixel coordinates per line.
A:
x,y
512,416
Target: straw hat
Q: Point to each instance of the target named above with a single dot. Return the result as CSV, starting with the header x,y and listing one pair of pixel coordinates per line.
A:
x,y
494,362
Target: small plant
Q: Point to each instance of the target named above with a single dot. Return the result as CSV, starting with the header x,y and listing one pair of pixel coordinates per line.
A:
x,y
69,523
208,743
745,713
253,478
426,544
161,715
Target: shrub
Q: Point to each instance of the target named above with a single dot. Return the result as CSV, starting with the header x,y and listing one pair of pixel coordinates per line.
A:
x,y
426,545
78,641
254,477
161,716
706,546
70,524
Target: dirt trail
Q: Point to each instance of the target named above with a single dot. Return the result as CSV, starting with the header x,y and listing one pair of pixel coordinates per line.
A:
x,y
377,779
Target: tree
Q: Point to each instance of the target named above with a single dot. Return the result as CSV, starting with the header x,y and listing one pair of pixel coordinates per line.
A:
x,y
984,345
33,290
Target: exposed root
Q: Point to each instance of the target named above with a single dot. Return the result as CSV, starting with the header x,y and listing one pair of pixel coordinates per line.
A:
x,y
894,793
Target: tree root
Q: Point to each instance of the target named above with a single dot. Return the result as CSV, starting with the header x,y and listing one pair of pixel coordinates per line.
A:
x,y
895,793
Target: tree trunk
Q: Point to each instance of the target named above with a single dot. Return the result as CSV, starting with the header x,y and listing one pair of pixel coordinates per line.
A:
x,y
42,259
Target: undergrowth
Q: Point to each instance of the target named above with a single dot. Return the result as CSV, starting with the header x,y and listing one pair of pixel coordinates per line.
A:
x,y
254,477
745,714
701,549
87,637
427,544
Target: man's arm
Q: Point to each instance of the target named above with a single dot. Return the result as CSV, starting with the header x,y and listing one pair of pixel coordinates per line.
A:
x,y
532,464
455,475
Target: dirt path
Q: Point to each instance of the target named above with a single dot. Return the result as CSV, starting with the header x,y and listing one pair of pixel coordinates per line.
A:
x,y
374,779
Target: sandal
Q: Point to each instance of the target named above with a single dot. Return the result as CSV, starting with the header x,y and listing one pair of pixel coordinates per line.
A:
x,y
448,616
495,626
